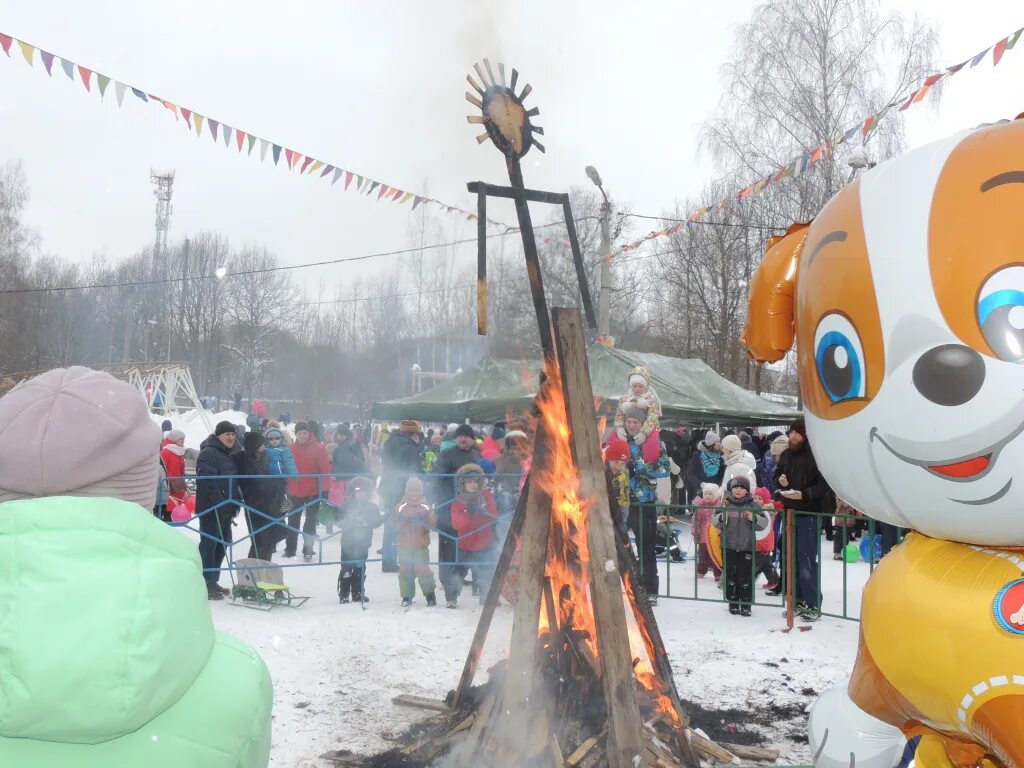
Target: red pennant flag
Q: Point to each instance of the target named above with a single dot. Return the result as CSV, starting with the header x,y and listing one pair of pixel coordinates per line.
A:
x,y
933,79
306,163
909,101
239,139
86,74
187,114
675,229
383,190
867,125
999,50
922,93
348,178
289,157
5,43
397,194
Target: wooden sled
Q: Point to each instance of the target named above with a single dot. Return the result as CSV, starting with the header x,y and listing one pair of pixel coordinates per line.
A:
x,y
261,586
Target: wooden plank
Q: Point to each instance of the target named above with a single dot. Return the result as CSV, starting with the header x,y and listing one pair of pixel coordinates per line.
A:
x,y
577,260
581,751
748,752
420,702
522,658
508,551
481,264
557,758
711,750
517,193
625,727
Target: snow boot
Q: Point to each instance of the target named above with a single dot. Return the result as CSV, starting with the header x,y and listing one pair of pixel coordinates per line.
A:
x,y
452,604
431,600
745,610
406,602
734,610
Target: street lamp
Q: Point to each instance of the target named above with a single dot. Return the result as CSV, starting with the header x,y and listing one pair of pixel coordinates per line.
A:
x,y
604,301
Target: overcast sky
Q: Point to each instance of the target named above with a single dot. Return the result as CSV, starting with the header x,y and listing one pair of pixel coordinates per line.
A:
x,y
378,88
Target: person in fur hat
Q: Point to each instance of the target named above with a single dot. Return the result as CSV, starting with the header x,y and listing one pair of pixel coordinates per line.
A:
x,y
643,395
474,514
414,519
359,516
110,656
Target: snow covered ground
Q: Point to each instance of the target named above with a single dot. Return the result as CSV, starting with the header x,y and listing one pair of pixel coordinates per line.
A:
x,y
192,424
336,667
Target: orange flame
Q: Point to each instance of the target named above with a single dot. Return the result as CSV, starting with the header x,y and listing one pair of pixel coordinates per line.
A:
x,y
568,557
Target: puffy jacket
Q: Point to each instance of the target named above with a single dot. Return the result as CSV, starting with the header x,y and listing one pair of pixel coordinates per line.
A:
x,y
310,459
801,470
258,492
132,674
737,531
697,472
357,523
174,466
448,463
400,458
415,519
214,461
473,515
281,461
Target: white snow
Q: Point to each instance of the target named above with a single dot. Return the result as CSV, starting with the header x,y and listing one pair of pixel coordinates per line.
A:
x,y
192,424
336,667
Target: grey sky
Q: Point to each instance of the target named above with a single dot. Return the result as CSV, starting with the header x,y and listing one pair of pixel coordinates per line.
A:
x,y
377,88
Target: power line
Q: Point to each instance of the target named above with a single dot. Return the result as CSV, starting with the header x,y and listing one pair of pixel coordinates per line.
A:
x,y
328,262
702,223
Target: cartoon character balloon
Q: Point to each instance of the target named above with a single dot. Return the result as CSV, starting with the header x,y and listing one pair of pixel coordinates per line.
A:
x,y
906,299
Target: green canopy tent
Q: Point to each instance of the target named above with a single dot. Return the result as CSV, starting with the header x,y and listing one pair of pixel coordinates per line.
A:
x,y
690,392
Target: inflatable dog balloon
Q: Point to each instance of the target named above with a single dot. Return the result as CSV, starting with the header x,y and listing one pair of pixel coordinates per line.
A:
x,y
907,299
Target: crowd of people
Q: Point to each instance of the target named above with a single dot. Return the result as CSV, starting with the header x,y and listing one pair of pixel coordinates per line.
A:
x,y
464,486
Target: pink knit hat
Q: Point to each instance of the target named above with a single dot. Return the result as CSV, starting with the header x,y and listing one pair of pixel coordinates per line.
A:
x,y
77,432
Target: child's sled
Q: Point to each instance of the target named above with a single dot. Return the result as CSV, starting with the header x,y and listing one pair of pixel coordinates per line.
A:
x,y
261,586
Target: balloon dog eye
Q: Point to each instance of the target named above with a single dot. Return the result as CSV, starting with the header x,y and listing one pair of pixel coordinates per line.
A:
x,y
1001,313
839,358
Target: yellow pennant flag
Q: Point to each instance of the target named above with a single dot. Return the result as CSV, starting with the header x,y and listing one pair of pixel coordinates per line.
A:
x,y
316,165
198,120
405,198
27,51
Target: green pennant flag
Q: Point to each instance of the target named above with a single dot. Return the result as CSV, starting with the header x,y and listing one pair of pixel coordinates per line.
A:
x,y
103,81
1013,39
252,142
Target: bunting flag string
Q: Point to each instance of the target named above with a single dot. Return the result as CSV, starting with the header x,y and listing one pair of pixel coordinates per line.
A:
x,y
218,129
805,161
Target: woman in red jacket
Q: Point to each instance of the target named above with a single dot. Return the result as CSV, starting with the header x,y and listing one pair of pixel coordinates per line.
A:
x,y
172,456
305,492
474,514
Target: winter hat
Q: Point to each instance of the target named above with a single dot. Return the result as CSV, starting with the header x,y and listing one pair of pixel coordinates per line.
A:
x,y
301,426
360,484
113,449
408,425
487,466
633,409
640,375
731,444
464,430
714,488
413,486
252,441
799,427
617,450
166,425
467,471
774,434
223,428
343,429
175,434
499,431
452,427
741,481
779,444
274,433
514,435
711,439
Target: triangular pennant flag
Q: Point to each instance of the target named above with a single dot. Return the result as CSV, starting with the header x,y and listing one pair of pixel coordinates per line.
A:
x,y
140,94
1014,38
997,50
672,230
337,175
28,51
252,142
372,187
172,107
922,93
296,156
316,166
397,193
383,191
416,201
977,59
214,125
187,114
289,156
933,79
277,153
851,133
103,82
119,89
263,149
86,74
68,67
954,69
816,154
359,183
759,188
405,198
348,178
326,171
306,163
226,135
198,120
239,138
5,43
47,61
909,101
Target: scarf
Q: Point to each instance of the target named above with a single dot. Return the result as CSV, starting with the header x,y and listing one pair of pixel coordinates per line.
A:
x,y
177,450
711,462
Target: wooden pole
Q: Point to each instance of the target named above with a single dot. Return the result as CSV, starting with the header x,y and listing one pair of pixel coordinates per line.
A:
x,y
625,726
481,264
491,603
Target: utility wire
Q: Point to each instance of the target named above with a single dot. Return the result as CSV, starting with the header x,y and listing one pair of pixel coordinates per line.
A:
x,y
701,222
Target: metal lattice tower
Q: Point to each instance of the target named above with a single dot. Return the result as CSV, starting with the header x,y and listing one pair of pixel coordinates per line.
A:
x,y
163,189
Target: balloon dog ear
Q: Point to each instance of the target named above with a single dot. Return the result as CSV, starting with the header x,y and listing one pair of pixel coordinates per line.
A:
x,y
770,328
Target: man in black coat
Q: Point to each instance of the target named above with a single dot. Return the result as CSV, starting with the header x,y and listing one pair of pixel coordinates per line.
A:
x,y
401,457
802,488
259,494
214,467
465,451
